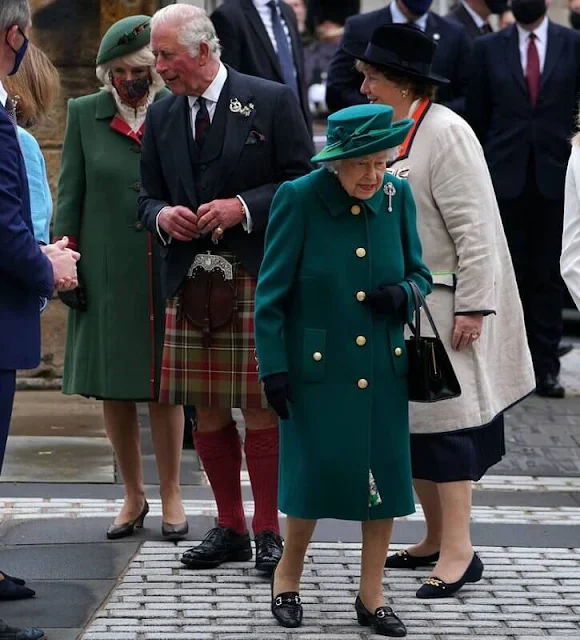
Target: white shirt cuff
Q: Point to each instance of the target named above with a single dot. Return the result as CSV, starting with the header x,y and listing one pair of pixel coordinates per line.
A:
x,y
165,237
248,223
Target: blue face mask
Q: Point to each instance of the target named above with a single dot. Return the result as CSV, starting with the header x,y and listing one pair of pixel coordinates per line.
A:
x,y
19,54
418,7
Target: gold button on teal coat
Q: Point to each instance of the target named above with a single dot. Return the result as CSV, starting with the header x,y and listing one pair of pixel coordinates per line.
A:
x,y
350,413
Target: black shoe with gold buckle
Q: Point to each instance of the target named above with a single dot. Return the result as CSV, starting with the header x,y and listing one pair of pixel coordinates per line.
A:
x,y
384,620
404,560
287,608
437,588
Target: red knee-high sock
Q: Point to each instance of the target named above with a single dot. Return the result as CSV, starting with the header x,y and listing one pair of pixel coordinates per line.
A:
x,y
221,455
262,458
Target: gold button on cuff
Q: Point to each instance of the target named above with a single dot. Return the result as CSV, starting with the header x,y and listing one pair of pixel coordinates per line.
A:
x,y
361,341
360,252
362,383
398,351
317,356
355,209
361,296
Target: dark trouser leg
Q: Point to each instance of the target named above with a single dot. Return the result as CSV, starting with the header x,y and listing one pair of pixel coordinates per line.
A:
x,y
533,227
7,390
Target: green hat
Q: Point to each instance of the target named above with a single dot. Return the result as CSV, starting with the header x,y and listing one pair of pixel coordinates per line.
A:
x,y
124,37
360,130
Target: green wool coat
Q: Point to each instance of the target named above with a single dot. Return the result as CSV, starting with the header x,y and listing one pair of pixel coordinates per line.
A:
x,y
347,365
113,349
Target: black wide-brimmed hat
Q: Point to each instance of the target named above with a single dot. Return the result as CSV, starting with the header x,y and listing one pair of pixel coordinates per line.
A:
x,y
402,48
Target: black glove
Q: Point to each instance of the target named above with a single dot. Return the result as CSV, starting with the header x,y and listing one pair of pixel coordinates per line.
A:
x,y
279,393
74,298
388,299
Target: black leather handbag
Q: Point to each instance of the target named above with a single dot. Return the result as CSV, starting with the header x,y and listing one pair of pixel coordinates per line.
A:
x,y
431,375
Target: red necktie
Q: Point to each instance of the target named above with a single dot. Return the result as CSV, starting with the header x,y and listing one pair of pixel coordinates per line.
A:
x,y
533,70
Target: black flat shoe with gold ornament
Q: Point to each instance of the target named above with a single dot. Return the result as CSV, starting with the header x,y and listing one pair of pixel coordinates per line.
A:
x,y
384,621
436,588
404,560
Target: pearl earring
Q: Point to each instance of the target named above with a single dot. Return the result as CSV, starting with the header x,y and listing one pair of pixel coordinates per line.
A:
x,y
405,93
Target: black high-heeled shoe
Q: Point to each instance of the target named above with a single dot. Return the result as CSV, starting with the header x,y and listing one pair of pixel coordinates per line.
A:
x,y
436,588
174,531
286,607
116,531
384,621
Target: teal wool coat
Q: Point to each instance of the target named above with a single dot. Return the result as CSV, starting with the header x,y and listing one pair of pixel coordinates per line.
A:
x,y
347,366
113,349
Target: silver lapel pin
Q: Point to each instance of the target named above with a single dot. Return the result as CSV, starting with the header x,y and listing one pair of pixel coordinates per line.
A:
x,y
390,191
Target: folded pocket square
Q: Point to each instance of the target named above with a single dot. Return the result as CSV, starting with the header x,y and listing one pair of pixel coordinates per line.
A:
x,y
255,137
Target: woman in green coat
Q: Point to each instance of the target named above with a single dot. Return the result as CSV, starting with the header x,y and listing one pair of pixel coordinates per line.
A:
x,y
115,330
331,303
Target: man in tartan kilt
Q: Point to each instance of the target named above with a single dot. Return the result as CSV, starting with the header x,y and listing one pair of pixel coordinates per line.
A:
x,y
213,156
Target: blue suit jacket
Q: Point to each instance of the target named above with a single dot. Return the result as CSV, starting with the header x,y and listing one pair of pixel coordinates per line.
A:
x,y
450,61
500,112
25,273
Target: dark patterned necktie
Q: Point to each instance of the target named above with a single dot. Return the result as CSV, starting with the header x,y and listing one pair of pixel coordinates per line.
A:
x,y
486,29
202,122
285,56
10,110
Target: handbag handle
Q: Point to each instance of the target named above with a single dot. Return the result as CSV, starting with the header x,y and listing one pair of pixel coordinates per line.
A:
x,y
419,301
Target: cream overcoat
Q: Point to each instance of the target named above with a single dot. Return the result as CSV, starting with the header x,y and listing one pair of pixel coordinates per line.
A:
x,y
462,236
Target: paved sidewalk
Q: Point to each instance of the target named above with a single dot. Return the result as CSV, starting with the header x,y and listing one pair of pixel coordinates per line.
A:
x,y
525,593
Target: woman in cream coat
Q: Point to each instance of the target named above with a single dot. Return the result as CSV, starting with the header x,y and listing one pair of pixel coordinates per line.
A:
x,y
570,260
475,304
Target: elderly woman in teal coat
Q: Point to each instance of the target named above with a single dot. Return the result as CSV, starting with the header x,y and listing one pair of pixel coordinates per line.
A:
x,y
331,303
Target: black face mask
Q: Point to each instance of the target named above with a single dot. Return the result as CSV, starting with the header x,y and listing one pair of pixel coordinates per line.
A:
x,y
575,19
528,11
497,7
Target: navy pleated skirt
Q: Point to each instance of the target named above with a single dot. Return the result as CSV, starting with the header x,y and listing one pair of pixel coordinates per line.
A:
x,y
458,455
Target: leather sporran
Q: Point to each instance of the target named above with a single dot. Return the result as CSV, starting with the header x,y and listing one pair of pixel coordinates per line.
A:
x,y
431,375
208,296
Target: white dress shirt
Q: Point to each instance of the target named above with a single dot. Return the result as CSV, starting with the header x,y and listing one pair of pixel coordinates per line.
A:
x,y
479,21
265,13
3,95
541,33
400,18
211,96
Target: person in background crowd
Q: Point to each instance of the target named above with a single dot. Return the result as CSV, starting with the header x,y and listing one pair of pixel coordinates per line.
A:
x,y
474,303
27,271
522,101
506,19
214,154
312,299
115,334
301,11
574,16
260,38
34,90
329,27
316,7
473,15
344,81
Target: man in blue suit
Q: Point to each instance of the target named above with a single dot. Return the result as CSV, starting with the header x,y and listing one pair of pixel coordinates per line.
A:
x,y
27,272
344,82
522,103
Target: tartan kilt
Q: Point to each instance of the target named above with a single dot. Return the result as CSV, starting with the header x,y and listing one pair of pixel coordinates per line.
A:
x,y
223,376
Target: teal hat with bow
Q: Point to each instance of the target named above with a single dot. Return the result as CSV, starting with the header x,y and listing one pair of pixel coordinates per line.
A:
x,y
361,130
